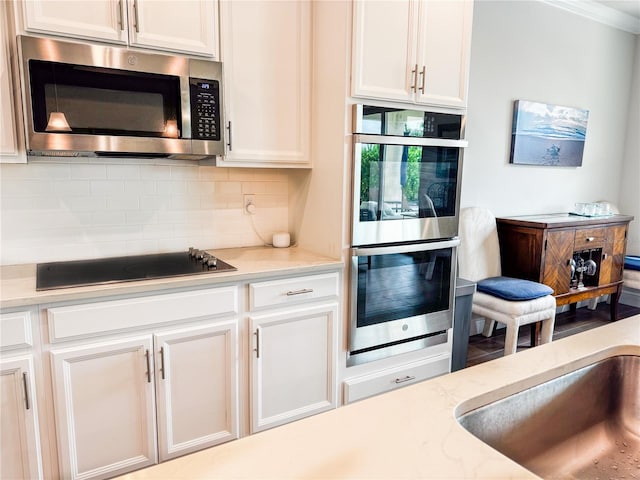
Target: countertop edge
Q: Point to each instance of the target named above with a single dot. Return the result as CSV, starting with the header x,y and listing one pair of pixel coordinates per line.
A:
x,y
17,286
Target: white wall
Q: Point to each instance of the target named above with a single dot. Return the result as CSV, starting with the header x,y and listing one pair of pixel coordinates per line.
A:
x,y
533,51
66,210
630,181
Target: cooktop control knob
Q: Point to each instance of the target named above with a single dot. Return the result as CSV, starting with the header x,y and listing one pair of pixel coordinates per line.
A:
x,y
212,262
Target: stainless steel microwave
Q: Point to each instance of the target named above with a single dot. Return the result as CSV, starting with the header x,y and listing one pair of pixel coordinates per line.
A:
x,y
91,100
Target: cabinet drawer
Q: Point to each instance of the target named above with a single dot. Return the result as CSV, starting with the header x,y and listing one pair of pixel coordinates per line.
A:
x,y
365,386
292,290
117,315
589,238
15,330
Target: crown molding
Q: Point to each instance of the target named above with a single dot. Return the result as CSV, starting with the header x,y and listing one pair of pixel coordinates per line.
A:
x,y
600,13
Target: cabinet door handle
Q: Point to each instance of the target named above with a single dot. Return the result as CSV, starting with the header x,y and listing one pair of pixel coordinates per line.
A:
x,y
604,256
408,378
146,354
162,361
302,291
25,384
121,14
414,78
136,22
423,73
257,349
229,142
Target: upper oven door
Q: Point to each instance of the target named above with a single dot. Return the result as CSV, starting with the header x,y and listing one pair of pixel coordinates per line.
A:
x,y
407,172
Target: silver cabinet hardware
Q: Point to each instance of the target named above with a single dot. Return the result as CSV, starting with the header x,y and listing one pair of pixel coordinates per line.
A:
x,y
229,136
590,239
423,74
299,292
162,361
414,78
121,14
257,349
136,21
408,378
25,383
146,353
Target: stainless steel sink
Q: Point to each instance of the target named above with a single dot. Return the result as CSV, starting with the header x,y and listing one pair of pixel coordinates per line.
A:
x,y
581,425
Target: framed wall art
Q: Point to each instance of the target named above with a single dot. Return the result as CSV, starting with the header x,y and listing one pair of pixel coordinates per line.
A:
x,y
545,134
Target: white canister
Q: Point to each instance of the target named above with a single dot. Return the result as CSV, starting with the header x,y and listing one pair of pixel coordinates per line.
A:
x,y
281,240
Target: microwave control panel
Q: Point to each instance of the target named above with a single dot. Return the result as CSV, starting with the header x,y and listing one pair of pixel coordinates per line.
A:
x,y
205,109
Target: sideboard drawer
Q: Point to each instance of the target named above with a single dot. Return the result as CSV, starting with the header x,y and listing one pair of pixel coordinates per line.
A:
x,y
590,238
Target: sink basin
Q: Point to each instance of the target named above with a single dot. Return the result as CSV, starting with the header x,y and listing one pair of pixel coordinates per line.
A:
x,y
584,424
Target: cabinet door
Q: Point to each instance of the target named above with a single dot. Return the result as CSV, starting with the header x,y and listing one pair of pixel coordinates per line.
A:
x,y
20,452
100,20
612,264
293,366
384,49
188,26
196,388
104,407
557,255
266,49
443,52
10,135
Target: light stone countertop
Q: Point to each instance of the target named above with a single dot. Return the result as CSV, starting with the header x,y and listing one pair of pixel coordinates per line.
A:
x,y
407,433
18,282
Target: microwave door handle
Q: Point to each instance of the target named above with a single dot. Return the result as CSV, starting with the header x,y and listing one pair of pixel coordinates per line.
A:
x,y
414,247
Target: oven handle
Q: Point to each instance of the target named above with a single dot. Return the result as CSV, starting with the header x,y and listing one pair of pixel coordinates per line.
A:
x,y
409,141
413,247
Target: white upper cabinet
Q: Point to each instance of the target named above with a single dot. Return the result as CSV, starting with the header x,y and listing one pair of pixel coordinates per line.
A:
x,y
412,51
10,124
187,26
266,50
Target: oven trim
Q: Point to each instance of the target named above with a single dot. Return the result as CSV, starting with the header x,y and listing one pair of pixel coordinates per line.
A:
x,y
372,336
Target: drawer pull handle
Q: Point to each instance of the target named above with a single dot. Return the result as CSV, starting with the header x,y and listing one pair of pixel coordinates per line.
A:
x,y
299,292
408,378
590,239
25,383
146,354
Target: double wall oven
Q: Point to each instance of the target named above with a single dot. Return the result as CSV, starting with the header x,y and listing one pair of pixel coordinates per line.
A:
x,y
406,188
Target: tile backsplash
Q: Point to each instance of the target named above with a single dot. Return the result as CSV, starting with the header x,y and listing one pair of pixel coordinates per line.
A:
x,y
54,209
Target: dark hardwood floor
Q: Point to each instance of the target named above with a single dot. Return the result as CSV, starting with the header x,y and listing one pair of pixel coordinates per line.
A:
x,y
482,349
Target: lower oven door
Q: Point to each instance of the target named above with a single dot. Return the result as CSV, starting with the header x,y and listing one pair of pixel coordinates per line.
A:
x,y
401,293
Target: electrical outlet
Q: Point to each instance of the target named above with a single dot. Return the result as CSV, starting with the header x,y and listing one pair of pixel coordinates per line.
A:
x,y
248,199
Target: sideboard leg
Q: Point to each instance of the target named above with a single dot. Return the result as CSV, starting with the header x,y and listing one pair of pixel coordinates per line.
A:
x,y
614,303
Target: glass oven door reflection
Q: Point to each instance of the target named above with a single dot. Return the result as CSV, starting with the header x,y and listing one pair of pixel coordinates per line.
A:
x,y
401,292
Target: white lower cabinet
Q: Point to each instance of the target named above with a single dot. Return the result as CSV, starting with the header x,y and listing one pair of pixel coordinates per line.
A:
x,y
109,398
104,406
196,385
20,452
293,366
293,348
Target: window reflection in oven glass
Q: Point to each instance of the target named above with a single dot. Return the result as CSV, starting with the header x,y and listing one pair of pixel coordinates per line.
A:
x,y
400,181
402,285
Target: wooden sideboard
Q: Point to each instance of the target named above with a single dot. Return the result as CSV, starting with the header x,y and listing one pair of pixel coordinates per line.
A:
x,y
541,248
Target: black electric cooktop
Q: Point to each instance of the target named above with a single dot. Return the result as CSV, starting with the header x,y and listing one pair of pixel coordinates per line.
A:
x,y
127,269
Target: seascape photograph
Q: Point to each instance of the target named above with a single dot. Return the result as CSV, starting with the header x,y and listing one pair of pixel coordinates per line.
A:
x,y
545,134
